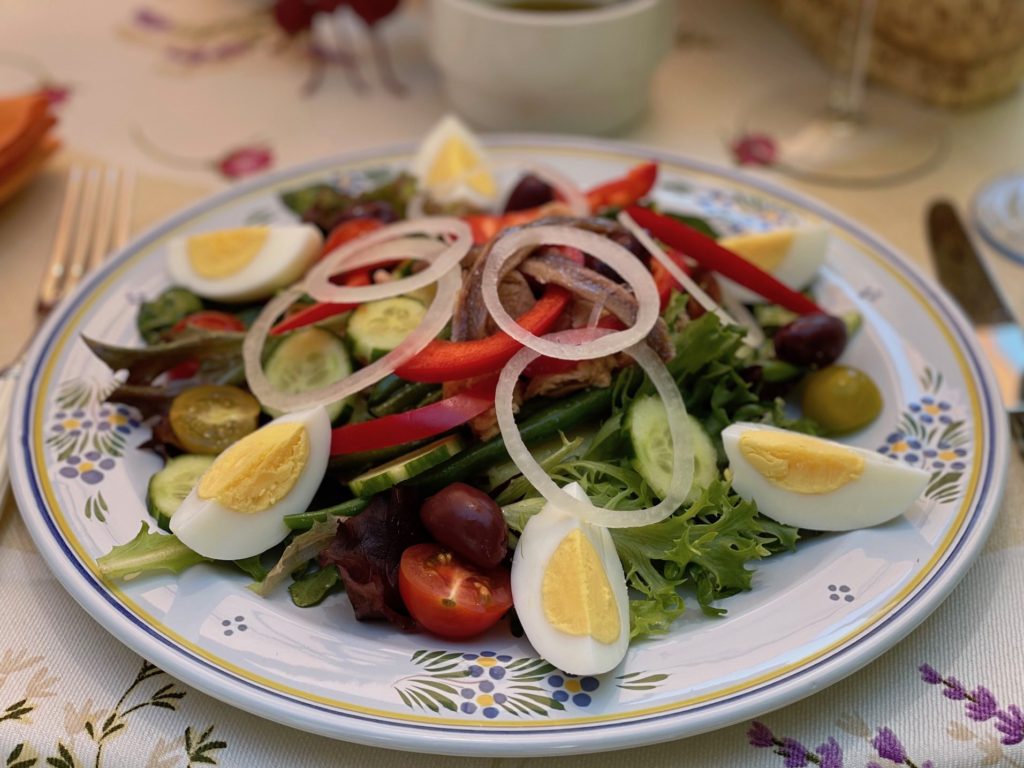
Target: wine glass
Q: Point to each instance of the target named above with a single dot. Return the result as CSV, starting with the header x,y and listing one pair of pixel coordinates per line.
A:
x,y
846,136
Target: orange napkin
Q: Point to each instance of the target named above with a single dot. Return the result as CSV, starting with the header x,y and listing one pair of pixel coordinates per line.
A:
x,y
25,140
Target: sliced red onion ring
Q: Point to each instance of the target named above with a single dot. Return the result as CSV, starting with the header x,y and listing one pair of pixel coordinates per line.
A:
x,y
377,246
754,336
438,314
682,445
611,253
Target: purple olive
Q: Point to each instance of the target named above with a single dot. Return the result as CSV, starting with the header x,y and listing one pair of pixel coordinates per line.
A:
x,y
811,340
468,522
530,192
381,210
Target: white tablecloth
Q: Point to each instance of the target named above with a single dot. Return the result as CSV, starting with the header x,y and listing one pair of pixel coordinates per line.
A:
x,y
135,97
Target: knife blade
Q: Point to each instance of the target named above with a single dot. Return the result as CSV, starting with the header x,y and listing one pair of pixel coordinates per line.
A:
x,y
961,272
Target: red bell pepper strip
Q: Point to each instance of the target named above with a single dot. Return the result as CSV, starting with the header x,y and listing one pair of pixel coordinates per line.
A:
x,y
417,424
663,279
618,193
341,234
713,256
486,225
443,360
349,230
309,315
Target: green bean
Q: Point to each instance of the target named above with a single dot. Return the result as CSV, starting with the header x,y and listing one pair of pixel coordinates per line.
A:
x,y
407,396
559,416
304,520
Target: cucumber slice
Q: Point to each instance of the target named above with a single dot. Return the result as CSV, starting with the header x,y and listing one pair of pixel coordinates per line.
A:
x,y
308,359
652,448
169,487
377,327
383,477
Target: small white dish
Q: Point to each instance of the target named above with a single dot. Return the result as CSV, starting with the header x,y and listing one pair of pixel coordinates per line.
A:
x,y
585,71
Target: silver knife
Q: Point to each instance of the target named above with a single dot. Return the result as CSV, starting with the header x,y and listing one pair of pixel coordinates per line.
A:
x,y
962,273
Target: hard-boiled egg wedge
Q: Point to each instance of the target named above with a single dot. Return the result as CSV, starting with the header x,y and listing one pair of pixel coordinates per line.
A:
x,y
236,508
452,166
244,264
792,256
815,483
570,592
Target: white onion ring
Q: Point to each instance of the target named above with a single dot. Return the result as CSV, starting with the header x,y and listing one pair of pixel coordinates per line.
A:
x,y
414,209
318,280
611,253
682,444
744,319
438,314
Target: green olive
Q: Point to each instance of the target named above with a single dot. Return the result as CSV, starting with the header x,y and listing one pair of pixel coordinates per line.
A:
x,y
841,399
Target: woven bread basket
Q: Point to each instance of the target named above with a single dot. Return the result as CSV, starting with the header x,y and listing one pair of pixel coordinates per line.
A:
x,y
952,53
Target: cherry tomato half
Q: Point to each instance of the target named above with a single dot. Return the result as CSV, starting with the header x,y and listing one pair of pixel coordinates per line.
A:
x,y
208,418
449,597
209,320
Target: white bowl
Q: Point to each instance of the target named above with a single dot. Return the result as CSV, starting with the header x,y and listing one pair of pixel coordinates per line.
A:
x,y
583,71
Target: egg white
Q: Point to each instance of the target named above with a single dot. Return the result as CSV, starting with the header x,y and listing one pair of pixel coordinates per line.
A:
x,y
454,190
798,268
285,256
884,490
539,540
208,527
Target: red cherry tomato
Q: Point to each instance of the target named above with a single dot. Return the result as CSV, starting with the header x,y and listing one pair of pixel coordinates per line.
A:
x,y
449,597
207,320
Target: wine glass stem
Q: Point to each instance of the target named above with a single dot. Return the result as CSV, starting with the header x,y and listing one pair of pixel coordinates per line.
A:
x,y
846,94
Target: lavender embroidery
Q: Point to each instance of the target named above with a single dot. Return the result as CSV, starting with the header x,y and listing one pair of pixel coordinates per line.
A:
x,y
980,705
827,755
830,754
889,747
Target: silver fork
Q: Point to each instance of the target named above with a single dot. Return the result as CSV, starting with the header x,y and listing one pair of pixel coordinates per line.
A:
x,y
95,221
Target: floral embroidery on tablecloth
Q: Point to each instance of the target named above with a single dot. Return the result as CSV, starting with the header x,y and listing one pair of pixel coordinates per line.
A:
x,y
90,728
980,706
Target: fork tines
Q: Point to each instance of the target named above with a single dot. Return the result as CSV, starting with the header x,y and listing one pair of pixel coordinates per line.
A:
x,y
95,220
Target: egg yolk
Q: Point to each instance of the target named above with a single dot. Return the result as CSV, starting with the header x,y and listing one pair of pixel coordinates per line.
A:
x,y
259,470
800,463
216,255
765,250
576,594
456,161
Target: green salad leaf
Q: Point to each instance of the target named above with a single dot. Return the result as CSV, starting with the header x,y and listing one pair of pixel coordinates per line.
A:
x,y
707,546
709,368
219,353
147,552
326,205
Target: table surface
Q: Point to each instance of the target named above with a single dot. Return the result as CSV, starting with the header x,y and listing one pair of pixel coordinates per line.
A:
x,y
137,98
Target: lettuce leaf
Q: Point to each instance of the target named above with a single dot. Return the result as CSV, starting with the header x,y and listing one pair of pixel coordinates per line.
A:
x,y
711,370
707,546
146,553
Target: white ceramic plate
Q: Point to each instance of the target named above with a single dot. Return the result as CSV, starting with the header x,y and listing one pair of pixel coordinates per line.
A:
x,y
811,618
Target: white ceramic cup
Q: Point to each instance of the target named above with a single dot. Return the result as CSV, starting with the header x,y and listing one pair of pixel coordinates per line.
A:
x,y
584,71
